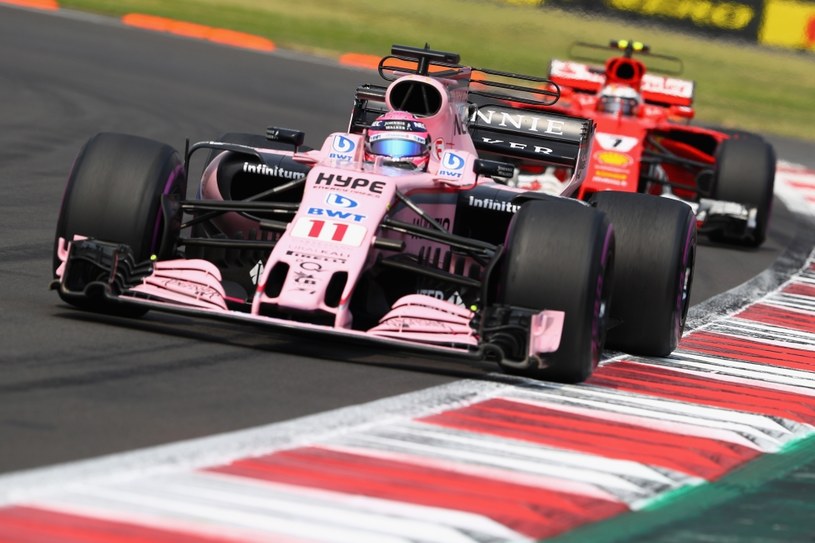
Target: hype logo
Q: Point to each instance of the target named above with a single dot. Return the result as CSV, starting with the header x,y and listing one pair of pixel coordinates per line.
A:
x,y
342,148
451,165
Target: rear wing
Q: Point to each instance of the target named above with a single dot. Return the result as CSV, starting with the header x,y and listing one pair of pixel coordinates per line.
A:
x,y
526,135
529,135
504,111
656,89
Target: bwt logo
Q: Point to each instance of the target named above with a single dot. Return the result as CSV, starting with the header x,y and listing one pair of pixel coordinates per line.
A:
x,y
451,164
338,200
343,147
335,214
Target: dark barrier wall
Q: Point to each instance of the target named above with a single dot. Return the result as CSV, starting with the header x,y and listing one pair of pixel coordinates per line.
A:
x,y
780,23
740,19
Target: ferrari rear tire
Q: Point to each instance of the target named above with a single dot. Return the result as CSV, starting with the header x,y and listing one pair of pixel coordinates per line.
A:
x,y
560,256
745,173
115,191
655,256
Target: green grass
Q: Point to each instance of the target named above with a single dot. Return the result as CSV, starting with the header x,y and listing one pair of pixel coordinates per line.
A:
x,y
738,85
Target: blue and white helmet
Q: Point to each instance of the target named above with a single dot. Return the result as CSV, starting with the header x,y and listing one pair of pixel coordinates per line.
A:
x,y
400,138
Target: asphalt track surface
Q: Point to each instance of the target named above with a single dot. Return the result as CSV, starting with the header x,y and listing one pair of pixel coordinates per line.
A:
x,y
75,385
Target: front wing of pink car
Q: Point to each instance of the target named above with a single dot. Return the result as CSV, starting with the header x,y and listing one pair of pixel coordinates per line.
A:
x,y
106,277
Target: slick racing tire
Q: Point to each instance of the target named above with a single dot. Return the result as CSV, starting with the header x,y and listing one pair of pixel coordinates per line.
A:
x,y
560,256
653,273
114,194
745,173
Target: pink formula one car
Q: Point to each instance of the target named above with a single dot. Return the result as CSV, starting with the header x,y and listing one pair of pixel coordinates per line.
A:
x,y
396,233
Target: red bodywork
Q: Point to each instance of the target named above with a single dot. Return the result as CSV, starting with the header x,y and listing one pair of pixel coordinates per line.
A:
x,y
627,148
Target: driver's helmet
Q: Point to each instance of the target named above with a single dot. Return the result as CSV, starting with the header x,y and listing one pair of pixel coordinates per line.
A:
x,y
400,138
619,98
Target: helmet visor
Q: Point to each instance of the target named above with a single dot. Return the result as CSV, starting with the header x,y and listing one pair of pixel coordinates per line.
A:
x,y
397,147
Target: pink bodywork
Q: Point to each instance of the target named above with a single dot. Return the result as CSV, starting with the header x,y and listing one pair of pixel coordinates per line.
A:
x,y
333,232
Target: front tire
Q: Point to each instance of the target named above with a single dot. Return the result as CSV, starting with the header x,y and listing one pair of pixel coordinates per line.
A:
x,y
560,256
114,194
745,173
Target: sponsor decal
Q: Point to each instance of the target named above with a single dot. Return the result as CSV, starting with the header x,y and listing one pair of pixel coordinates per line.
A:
x,y
343,144
256,272
601,177
437,294
452,165
722,15
454,298
319,255
304,277
537,149
342,148
420,324
613,159
574,70
275,171
399,125
350,182
438,148
335,214
537,124
193,290
716,17
613,175
489,203
667,85
329,230
338,200
615,142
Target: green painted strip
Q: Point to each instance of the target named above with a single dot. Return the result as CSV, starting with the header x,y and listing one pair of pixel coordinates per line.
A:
x,y
683,503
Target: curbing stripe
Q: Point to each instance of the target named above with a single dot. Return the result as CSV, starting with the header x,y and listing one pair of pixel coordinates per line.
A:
x,y
192,30
46,5
359,60
694,456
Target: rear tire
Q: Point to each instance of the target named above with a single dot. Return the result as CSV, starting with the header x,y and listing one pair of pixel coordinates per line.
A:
x,y
655,255
114,194
745,173
560,256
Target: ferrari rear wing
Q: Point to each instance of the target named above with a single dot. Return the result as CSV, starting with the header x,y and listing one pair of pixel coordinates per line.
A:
x,y
657,89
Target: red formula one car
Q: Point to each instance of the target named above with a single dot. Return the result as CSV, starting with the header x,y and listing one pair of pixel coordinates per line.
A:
x,y
644,143
394,233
